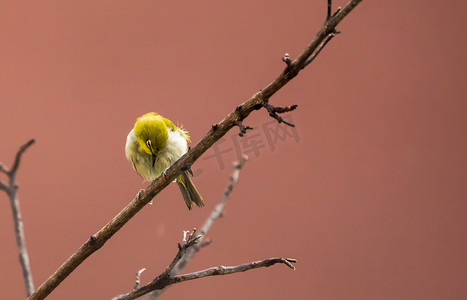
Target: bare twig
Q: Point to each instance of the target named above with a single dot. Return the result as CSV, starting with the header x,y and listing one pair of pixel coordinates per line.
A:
x,y
182,248
5,188
328,38
275,110
329,10
215,214
138,278
11,190
321,47
230,270
166,278
215,133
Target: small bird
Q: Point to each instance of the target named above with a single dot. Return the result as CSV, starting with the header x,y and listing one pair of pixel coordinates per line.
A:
x,y
153,145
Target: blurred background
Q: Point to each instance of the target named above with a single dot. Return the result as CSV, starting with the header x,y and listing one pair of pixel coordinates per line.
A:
x,y
368,191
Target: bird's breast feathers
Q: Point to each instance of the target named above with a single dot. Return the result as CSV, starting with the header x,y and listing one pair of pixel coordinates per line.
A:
x,y
142,162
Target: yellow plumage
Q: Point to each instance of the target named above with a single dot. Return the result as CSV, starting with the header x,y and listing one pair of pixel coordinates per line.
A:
x,y
153,145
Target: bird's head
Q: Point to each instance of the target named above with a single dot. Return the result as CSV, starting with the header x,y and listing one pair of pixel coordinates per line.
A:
x,y
151,133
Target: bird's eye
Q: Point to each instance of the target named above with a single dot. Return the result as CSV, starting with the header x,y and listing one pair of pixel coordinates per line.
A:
x,y
148,143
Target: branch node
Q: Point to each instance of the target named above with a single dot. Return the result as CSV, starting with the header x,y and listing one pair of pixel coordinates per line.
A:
x,y
287,60
215,126
138,196
257,106
189,238
92,239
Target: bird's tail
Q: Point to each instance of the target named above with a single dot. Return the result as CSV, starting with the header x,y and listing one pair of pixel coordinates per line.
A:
x,y
189,191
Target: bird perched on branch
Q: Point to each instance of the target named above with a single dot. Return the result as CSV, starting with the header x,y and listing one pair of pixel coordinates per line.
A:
x,y
153,145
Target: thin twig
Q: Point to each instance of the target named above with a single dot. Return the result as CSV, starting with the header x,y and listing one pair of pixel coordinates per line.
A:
x,y
166,278
215,214
321,47
215,133
230,270
138,278
275,110
11,190
5,188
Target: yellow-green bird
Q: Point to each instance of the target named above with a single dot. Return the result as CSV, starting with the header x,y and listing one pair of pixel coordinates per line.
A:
x,y
153,145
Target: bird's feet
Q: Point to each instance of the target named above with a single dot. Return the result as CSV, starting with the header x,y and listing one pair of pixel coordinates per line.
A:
x,y
164,173
138,196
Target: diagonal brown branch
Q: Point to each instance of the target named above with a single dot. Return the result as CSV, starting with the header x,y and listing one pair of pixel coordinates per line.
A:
x,y
166,278
11,190
217,131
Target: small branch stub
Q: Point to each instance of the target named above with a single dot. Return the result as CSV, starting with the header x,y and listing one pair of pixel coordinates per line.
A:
x,y
275,110
287,60
138,278
243,128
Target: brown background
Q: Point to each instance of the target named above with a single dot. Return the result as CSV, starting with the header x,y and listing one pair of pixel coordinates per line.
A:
x,y
371,198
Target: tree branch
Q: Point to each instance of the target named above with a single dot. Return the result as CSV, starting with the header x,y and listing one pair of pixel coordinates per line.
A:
x,y
166,279
19,153
163,278
11,190
236,269
5,188
217,131
215,214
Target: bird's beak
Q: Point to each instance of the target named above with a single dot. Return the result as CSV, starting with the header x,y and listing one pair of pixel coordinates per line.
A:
x,y
153,159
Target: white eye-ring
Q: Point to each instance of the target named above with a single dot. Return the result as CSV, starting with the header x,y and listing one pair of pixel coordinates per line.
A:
x,y
148,143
